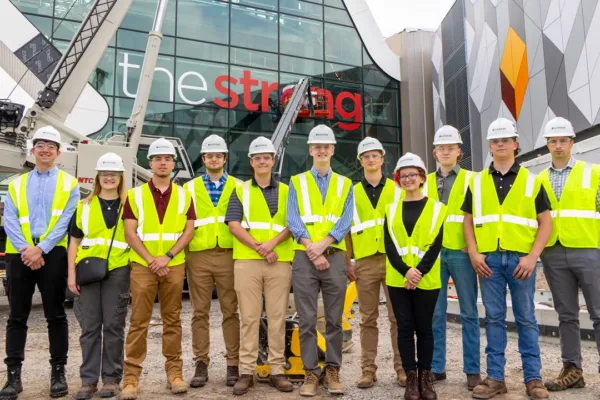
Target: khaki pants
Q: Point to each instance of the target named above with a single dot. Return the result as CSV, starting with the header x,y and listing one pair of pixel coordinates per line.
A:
x,y
370,276
144,284
253,278
204,270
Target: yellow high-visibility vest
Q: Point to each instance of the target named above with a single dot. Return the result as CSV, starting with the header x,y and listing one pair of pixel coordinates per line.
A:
x,y
259,223
454,237
320,218
159,238
17,190
575,218
97,237
412,248
367,222
512,225
211,229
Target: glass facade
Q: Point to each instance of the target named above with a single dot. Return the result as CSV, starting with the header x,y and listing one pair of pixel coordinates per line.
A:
x,y
223,68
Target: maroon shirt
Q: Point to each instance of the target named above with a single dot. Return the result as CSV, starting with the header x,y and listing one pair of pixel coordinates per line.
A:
x,y
161,201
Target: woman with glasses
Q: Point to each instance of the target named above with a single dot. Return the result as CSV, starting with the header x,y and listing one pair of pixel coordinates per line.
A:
x,y
413,240
101,307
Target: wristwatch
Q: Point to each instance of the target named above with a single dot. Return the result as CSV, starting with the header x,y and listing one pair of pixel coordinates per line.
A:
x,y
170,255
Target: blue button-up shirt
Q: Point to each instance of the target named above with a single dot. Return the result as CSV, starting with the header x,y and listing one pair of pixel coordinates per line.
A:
x,y
341,227
41,187
214,192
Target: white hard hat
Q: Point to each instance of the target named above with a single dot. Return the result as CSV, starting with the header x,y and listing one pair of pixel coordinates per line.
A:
x,y
261,145
447,134
110,162
161,147
321,134
214,144
502,128
559,127
410,160
47,134
368,144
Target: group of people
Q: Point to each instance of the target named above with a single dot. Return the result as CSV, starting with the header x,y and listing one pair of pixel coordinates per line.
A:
x,y
255,240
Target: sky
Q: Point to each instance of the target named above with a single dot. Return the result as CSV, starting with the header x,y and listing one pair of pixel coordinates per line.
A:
x,y
393,16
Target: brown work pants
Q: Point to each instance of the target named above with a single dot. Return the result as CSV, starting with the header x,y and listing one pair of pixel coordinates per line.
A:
x,y
253,278
144,285
204,270
370,277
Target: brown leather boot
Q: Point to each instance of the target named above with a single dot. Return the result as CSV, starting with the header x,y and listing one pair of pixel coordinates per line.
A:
x,y
86,391
489,388
401,377
281,383
332,381
367,380
243,385
310,385
426,385
130,388
233,374
473,380
570,377
176,384
200,375
412,386
536,390
110,389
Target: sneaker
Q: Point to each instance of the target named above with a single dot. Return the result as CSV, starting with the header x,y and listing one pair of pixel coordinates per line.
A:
x,y
489,388
332,381
310,385
367,380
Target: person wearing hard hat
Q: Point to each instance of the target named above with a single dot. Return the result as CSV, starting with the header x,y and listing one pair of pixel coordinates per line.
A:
x,y
449,184
507,224
413,239
103,292
571,257
319,215
210,262
371,196
37,212
159,224
262,250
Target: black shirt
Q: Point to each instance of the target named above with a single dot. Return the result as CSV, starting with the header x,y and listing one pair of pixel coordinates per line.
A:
x,y
411,211
374,192
110,216
503,184
235,209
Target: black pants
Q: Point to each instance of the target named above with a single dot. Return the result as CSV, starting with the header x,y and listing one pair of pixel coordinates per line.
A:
x,y
51,280
414,314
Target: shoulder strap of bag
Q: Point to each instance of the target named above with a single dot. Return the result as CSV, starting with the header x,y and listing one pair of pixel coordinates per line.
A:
x,y
113,235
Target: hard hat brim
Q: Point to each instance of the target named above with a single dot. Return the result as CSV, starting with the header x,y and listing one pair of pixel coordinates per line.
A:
x,y
111,169
321,142
364,151
214,151
162,154
439,142
559,134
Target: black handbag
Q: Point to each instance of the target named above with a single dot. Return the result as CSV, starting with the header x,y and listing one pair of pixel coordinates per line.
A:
x,y
94,269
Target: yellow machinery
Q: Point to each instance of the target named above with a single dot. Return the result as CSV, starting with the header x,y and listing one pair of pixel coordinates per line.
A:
x,y
294,369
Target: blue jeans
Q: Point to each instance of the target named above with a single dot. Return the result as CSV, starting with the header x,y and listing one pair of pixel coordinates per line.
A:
x,y
457,264
493,294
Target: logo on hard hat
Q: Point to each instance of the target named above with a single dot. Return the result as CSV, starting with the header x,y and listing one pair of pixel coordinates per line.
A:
x,y
558,127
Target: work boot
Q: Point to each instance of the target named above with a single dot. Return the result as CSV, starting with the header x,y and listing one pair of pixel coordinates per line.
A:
x,y
110,389
439,377
473,380
13,385
426,385
489,388
310,385
86,391
570,377
58,382
243,384
401,377
332,381
233,374
200,376
176,384
130,388
536,390
412,386
367,380
281,383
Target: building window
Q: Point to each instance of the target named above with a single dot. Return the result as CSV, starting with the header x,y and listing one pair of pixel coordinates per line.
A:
x,y
301,66
342,45
301,37
141,16
253,28
206,20
337,16
201,50
301,8
381,105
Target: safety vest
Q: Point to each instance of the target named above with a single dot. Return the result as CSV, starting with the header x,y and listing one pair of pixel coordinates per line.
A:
x,y
413,248
512,225
259,223
318,218
367,222
97,237
17,190
211,229
575,219
454,238
159,238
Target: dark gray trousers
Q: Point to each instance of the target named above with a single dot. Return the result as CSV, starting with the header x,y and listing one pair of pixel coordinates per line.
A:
x,y
101,310
307,281
567,270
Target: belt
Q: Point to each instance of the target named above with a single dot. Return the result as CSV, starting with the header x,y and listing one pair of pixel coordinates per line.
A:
x,y
330,250
221,249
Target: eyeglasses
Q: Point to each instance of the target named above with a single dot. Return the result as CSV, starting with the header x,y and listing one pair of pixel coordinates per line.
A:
x,y
262,158
105,174
411,177
49,146
217,156
563,141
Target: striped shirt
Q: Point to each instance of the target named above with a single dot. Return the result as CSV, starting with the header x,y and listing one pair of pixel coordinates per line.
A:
x,y
235,210
558,179
214,191
341,227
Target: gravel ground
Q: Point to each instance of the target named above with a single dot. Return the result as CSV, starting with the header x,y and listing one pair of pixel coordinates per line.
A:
x,y
36,368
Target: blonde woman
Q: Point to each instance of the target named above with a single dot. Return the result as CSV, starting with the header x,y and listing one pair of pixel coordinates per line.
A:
x,y
101,307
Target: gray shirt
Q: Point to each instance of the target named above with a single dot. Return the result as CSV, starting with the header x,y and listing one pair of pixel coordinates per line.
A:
x,y
445,183
235,210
